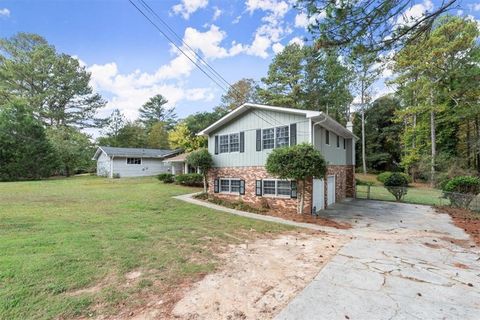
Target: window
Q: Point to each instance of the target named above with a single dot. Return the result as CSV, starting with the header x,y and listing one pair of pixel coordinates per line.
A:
x,y
230,185
235,186
269,187
344,144
338,141
134,160
280,188
234,142
282,137
268,138
224,185
283,188
327,137
224,144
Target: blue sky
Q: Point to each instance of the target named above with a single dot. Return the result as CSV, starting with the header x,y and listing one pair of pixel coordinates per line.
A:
x,y
130,61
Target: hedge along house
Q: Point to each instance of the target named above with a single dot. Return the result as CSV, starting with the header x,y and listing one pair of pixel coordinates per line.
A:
x,y
241,141
132,162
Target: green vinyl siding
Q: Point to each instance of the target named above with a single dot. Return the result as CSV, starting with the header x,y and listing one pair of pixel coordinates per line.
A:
x,y
249,122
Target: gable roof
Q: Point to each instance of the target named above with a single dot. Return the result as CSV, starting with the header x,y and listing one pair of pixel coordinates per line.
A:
x,y
316,116
180,158
135,152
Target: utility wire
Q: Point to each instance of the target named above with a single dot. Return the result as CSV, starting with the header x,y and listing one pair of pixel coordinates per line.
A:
x,y
178,47
186,44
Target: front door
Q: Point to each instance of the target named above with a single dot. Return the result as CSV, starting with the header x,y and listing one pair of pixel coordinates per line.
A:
x,y
318,194
330,190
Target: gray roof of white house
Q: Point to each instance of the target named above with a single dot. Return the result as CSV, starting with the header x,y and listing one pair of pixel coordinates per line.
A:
x,y
135,152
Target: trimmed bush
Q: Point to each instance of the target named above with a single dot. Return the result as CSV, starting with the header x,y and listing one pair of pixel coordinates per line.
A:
x,y
359,182
461,190
382,177
189,179
397,185
166,177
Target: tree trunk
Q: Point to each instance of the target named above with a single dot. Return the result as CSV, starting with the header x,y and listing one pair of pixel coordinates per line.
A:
x,y
205,183
364,161
469,162
434,147
477,146
302,198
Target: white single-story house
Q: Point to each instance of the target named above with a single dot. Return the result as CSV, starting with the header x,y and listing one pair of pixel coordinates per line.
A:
x,y
179,164
132,162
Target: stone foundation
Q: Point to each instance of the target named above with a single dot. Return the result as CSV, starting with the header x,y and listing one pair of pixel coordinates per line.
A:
x,y
344,176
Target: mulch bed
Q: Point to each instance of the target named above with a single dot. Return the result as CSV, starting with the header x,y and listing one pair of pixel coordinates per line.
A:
x,y
465,219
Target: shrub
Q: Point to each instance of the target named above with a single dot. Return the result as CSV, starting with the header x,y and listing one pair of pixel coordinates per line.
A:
x,y
202,160
189,179
461,190
359,182
382,177
116,176
397,185
166,177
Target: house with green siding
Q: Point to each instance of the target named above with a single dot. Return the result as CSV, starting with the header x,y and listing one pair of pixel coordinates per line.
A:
x,y
241,141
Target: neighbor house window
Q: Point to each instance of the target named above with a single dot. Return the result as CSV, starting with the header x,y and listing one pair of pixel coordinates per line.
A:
x,y
338,141
224,144
327,137
268,138
280,188
235,142
282,137
344,143
134,160
230,185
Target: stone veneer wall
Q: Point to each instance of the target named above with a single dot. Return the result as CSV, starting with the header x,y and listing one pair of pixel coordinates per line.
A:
x,y
250,175
344,181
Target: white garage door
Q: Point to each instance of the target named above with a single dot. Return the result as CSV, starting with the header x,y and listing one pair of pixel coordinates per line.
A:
x,y
330,190
318,194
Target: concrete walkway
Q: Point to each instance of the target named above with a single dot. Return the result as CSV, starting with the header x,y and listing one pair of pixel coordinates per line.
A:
x,y
405,262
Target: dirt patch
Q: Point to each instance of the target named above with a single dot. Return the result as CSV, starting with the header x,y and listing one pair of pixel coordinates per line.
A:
x,y
258,279
465,219
461,265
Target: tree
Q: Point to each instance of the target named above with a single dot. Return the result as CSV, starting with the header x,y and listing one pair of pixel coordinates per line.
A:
x,y
382,132
73,149
198,121
181,137
132,135
284,80
299,162
242,91
374,25
55,86
202,160
25,152
397,185
154,111
438,80
157,137
327,83
114,123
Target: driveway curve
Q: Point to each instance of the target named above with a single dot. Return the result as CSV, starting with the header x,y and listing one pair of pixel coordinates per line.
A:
x,y
404,262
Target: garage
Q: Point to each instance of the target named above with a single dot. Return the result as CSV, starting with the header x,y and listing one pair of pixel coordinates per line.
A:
x,y
330,190
318,194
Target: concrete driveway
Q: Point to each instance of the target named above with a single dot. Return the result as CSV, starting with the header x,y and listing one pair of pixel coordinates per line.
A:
x,y
403,262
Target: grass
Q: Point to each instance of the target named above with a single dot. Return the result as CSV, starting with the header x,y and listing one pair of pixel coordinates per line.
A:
x,y
417,193
58,236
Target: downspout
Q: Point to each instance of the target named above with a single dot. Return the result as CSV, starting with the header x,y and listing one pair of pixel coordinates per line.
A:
x,y
111,166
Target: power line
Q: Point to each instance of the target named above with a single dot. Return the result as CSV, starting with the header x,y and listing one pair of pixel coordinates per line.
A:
x,y
180,49
185,44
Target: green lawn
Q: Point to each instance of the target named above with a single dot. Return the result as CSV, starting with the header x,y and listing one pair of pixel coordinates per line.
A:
x,y
58,236
416,195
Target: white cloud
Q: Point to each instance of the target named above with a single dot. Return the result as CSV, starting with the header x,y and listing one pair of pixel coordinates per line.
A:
x,y
208,42
4,12
278,8
237,19
297,40
277,47
187,7
128,92
216,13
414,12
301,20
476,6
259,46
